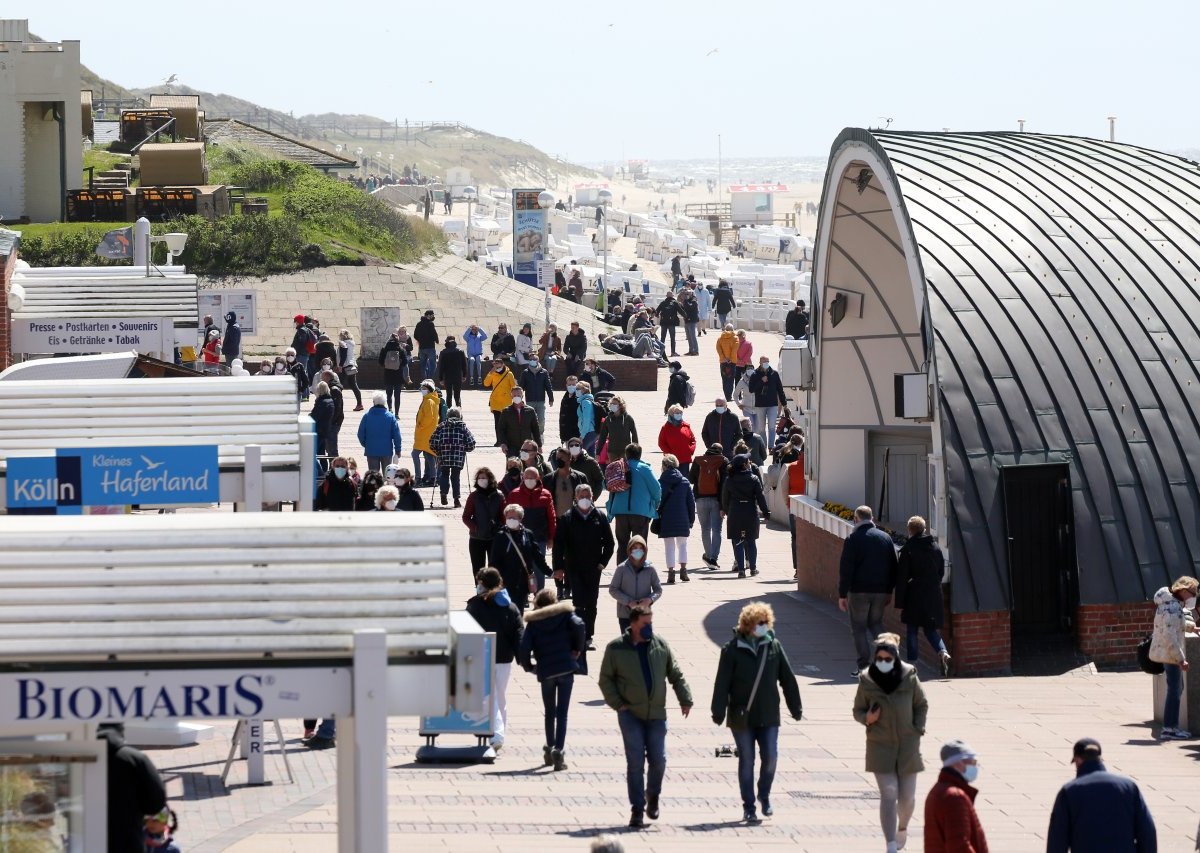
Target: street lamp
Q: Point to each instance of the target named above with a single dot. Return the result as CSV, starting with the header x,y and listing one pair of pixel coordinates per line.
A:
x,y
391,157
546,201
361,164
605,199
469,194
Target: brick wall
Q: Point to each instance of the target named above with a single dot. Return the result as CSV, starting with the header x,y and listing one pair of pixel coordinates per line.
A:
x,y
982,643
1109,633
7,265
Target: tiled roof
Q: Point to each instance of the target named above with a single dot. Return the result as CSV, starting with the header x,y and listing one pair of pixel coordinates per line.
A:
x,y
232,130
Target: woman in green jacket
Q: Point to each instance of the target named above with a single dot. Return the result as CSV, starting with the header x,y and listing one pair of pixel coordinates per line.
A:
x,y
892,705
746,695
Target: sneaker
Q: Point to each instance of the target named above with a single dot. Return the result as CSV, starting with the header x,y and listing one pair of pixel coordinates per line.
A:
x,y
754,573
709,561
497,744
1174,734
591,646
308,733
652,806
945,664
749,816
636,821
741,574
767,809
320,743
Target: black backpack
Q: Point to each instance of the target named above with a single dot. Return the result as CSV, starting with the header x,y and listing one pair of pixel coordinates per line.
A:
x,y
1150,667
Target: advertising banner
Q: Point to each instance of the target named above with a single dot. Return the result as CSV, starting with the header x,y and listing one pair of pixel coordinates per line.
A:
x,y
218,303
59,336
529,234
70,480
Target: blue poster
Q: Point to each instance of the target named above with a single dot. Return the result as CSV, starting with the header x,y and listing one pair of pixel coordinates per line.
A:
x,y
112,476
529,234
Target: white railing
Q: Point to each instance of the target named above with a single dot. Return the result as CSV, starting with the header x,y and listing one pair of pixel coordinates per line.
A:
x,y
813,512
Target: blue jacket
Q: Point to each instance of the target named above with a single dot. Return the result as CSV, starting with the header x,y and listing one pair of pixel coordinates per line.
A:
x,y
552,633
378,432
231,343
869,561
587,414
642,496
677,513
1098,810
474,341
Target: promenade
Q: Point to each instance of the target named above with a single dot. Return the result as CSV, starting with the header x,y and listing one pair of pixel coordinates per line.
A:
x,y
1022,728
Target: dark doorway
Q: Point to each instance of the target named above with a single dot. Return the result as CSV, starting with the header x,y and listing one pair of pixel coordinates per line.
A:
x,y
1041,567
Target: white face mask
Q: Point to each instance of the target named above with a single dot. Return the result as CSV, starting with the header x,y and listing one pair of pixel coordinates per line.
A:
x,y
401,481
480,589
512,523
530,483
885,666
518,401
614,407
524,455
585,504
1190,603
389,505
291,358
575,450
483,482
761,630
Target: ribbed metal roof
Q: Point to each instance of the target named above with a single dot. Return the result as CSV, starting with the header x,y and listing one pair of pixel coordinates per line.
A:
x,y
1063,280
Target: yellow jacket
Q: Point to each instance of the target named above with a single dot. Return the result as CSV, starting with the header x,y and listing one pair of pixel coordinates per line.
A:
x,y
501,385
727,346
427,421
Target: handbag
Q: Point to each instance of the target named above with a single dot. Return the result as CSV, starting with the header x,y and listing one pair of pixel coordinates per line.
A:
x,y
1150,667
602,458
656,523
524,565
739,713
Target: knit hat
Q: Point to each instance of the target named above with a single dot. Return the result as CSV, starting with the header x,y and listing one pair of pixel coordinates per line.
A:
x,y
954,751
299,318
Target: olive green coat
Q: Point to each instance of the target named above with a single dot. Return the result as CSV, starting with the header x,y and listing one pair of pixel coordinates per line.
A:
x,y
740,659
894,742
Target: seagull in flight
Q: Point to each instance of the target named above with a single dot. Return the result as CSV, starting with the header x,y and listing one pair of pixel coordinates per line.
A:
x,y
711,52
150,466
170,80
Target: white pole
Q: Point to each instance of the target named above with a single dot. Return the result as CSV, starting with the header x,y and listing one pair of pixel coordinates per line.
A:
x,y
308,466
141,244
1112,128
362,750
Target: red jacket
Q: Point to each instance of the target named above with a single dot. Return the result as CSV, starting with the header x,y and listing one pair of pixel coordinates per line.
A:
x,y
539,511
679,440
951,825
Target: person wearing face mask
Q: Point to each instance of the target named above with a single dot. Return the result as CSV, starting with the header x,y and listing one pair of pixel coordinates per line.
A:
x,y
452,440
586,464
635,582
517,557
408,499
503,344
482,515
452,371
372,481
511,481
617,432
535,381
387,498
562,483
752,669
678,390
339,411
891,704
297,371
676,437
531,456
583,535
539,517
722,427
769,398
754,443
575,347
553,648
266,368
951,824
1167,646
568,411
428,416
742,500
919,591
501,380
727,347
322,415
336,492
518,424
633,680
597,378
495,612
588,417
379,433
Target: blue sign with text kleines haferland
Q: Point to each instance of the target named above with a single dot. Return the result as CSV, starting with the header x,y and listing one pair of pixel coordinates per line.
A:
x,y
72,479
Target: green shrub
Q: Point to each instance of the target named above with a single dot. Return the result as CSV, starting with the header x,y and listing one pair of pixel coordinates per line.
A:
x,y
242,245
65,249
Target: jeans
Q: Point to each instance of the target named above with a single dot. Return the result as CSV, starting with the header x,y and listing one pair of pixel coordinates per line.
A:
x,y
728,378
693,338
550,362
1174,693
589,442
539,409
428,358
767,739
866,622
669,330
393,394
627,526
327,729
500,709
897,799
378,463
645,742
914,637
474,369
585,595
764,422
430,467
350,380
745,554
448,476
723,319
673,544
708,513
556,701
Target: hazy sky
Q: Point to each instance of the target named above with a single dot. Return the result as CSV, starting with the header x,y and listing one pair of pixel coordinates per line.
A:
x,y
597,81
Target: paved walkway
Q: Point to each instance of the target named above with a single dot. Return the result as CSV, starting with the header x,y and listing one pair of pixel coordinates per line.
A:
x,y
1022,727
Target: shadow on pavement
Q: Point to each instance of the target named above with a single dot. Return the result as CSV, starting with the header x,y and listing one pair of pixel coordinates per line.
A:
x,y
593,831
715,827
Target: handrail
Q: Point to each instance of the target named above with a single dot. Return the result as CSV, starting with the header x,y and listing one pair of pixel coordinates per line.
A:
x,y
153,135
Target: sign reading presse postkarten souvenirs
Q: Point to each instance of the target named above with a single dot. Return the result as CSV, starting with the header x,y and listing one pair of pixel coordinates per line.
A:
x,y
79,336
72,479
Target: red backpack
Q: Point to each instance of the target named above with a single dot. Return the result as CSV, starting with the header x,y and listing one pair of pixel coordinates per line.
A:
x,y
708,483
616,477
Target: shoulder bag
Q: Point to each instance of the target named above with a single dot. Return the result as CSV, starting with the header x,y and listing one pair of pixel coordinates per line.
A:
x,y
739,713
524,565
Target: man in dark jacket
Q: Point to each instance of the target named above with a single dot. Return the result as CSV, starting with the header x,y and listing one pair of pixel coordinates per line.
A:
x,y
723,301
951,824
677,387
426,335
575,348
539,389
503,344
1098,810
769,396
231,343
865,582
758,450
668,319
597,377
921,568
300,343
452,371
568,412
494,610
518,424
721,427
584,535
795,325
587,465
134,790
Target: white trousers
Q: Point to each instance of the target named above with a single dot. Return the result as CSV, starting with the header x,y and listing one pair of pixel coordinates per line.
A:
x,y
500,711
672,543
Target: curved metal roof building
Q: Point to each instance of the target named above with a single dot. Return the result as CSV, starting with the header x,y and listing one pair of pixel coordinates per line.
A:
x,y
1049,286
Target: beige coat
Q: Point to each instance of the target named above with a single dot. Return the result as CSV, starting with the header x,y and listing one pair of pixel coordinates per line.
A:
x,y
894,742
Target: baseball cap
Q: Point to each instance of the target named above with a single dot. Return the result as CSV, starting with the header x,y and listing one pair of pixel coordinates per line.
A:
x,y
954,751
1086,747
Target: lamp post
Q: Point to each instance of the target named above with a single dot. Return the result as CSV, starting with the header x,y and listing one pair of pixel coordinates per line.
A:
x,y
361,165
1020,125
1112,128
469,194
391,157
546,201
605,199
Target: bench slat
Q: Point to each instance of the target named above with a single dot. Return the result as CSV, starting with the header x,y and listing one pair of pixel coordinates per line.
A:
x,y
381,569
270,592
103,631
224,610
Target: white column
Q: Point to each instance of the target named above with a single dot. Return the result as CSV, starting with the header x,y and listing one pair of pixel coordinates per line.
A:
x,y
362,751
